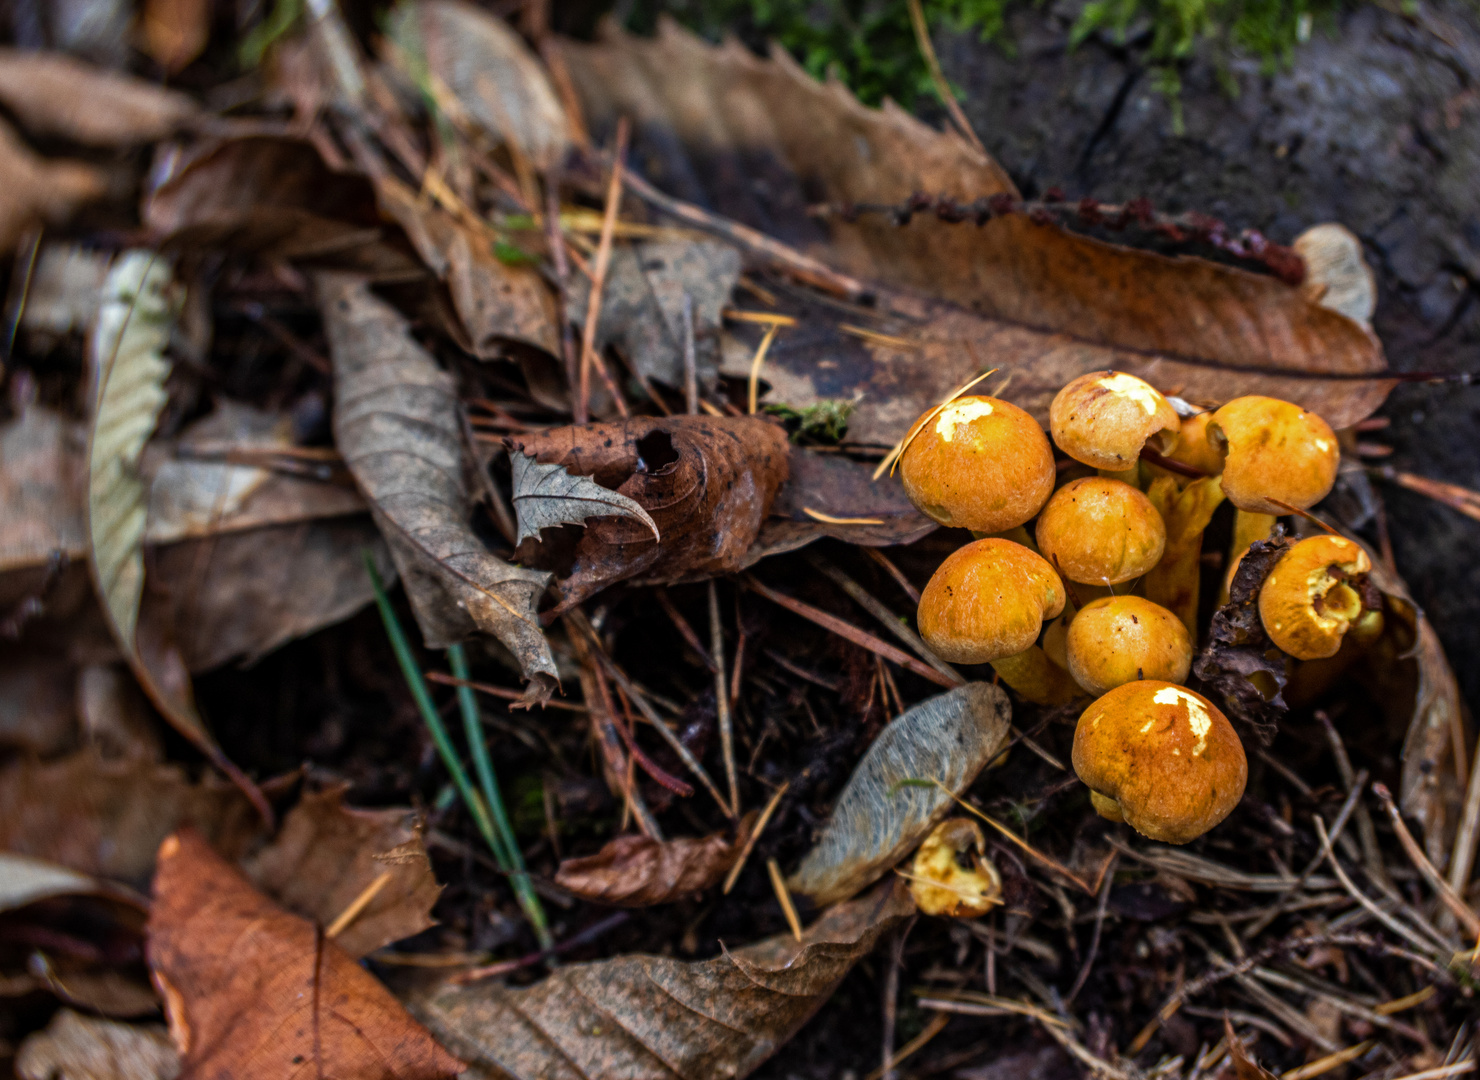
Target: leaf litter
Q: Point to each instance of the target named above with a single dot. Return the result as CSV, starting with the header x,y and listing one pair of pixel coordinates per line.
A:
x,y
392,252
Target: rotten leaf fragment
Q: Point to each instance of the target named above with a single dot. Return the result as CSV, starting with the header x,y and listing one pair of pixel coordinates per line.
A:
x,y
252,991
1240,661
328,854
396,423
549,495
57,95
645,1017
707,484
637,871
77,1047
903,786
43,474
38,191
760,141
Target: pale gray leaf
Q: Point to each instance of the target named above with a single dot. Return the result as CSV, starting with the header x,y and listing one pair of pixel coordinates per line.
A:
x,y
881,815
549,495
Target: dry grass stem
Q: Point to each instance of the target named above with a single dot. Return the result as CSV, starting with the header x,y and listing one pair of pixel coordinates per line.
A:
x,y
356,906
589,355
722,698
753,394
783,897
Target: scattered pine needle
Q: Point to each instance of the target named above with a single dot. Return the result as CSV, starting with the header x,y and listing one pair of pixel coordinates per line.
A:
x,y
892,458
755,365
973,1003
1323,1065
828,519
1047,860
769,318
1454,496
504,692
1402,1004
784,896
935,1027
358,905
755,834
887,340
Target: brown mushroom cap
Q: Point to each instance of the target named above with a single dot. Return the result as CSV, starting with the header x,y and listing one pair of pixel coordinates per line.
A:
x,y
1165,756
1101,531
1120,639
1193,447
988,600
980,463
939,882
1104,418
1275,450
1307,602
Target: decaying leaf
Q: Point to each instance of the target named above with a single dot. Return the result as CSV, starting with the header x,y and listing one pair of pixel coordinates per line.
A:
x,y
549,495
58,95
327,854
38,191
653,1017
707,483
106,819
760,141
252,991
43,474
1336,274
1244,1065
396,423
903,787
77,1047
1240,661
489,71
24,880
65,291
637,871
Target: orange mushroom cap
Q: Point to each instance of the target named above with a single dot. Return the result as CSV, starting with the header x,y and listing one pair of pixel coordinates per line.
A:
x,y
988,600
1101,531
1274,450
1120,639
1162,758
1104,418
980,463
1307,603
1193,447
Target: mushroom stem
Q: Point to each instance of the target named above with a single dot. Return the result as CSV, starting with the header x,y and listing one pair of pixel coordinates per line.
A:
x,y
1248,527
1174,583
1131,476
1037,678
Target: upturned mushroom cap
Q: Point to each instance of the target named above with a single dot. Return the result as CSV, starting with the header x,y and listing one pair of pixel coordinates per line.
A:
x,y
942,885
1101,531
980,463
1308,601
1104,418
1161,757
1274,450
988,600
1120,639
1193,447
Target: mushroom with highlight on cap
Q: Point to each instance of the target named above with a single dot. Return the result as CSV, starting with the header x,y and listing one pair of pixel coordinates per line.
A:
x,y
1104,418
986,603
951,874
1276,454
1161,758
1100,531
978,463
1120,639
1313,596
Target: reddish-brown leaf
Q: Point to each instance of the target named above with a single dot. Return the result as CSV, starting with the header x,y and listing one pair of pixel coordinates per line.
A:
x,y
254,992
636,870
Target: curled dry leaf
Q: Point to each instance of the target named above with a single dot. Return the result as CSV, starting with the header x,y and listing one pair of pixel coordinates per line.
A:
x,y
760,141
490,72
549,495
653,1017
903,787
38,191
396,423
1240,661
24,880
58,95
707,483
327,854
254,992
637,871
77,1047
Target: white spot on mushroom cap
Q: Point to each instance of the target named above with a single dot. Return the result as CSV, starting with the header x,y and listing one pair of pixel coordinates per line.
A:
x,y
1324,445
1135,389
960,412
1198,718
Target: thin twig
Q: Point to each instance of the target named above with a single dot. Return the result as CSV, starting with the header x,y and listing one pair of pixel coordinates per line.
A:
x,y
684,629
891,999
893,571
1360,897
942,87
556,243
1462,861
755,834
690,358
783,896
1366,834
722,699
1094,940
498,691
589,355
1452,900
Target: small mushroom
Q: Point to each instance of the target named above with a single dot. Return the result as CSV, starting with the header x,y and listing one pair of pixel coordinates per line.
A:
x,y
1193,448
1101,531
1120,639
951,874
1176,581
1276,455
1313,596
979,463
1161,758
1105,418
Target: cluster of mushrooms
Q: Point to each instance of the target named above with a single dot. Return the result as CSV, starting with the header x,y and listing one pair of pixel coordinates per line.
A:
x,y
1114,561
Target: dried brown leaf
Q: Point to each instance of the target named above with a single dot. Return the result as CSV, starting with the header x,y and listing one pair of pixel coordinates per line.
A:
x,y
38,191
396,423
903,787
759,141
327,854
77,1047
43,475
546,496
638,871
254,992
707,483
24,880
649,1016
175,32
58,95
